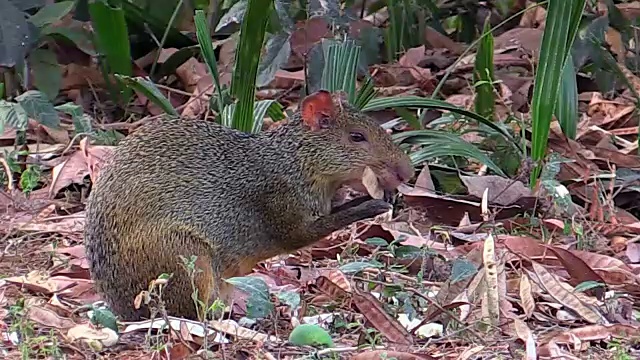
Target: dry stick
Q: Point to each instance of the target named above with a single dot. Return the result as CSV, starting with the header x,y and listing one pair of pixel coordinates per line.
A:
x,y
135,124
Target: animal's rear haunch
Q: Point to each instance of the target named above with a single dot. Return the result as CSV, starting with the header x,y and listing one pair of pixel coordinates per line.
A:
x,y
178,188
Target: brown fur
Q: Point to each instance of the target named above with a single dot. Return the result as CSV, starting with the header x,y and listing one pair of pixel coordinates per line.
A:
x,y
191,187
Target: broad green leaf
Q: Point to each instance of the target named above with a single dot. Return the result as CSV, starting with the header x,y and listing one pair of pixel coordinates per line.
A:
x,y
112,39
290,298
258,304
17,35
51,13
105,318
567,106
376,241
407,252
310,335
47,74
206,48
38,107
382,103
247,59
462,269
80,37
357,266
150,90
588,285
483,75
561,26
13,115
81,121
278,49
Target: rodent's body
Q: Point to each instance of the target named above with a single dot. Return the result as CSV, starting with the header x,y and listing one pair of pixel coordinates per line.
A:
x,y
191,187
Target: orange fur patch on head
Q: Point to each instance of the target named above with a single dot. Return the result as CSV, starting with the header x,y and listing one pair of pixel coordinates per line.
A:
x,y
318,110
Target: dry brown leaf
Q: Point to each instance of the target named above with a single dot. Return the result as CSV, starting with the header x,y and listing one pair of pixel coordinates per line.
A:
x,y
375,314
95,156
93,336
501,191
526,297
491,297
389,354
49,318
232,328
559,292
371,183
330,288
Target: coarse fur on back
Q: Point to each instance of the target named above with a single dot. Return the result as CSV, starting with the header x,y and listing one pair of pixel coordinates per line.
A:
x,y
192,187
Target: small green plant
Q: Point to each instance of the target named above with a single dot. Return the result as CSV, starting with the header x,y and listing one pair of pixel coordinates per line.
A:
x,y
32,343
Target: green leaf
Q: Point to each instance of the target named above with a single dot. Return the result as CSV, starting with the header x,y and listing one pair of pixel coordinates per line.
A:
x,y
483,75
382,103
310,335
81,121
264,107
243,83
567,106
112,39
438,144
206,48
13,115
376,241
37,106
51,13
588,285
80,37
105,318
278,49
357,266
258,304
407,252
290,298
340,68
462,269
150,90
563,19
47,72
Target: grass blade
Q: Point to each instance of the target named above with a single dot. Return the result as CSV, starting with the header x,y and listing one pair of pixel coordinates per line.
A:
x,y
340,68
248,52
206,48
567,107
483,75
439,144
419,102
111,35
150,90
563,19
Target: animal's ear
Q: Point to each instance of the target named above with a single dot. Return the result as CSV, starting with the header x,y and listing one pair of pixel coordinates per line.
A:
x,y
318,110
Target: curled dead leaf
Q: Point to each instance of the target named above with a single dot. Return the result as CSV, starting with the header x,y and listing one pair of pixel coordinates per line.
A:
x,y
371,183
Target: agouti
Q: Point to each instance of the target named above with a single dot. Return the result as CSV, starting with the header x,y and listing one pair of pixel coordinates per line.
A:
x,y
191,187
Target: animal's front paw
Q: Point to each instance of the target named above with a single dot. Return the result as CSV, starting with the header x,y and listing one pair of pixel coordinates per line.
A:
x,y
373,208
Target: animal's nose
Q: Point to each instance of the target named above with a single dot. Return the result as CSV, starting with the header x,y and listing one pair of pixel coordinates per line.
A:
x,y
404,171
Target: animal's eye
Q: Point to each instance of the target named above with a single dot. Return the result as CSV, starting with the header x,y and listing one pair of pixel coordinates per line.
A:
x,y
357,137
